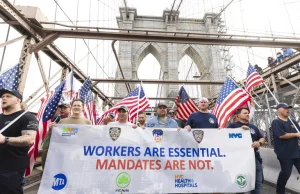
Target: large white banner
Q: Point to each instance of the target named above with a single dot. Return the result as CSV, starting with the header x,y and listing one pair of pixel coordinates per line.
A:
x,y
104,159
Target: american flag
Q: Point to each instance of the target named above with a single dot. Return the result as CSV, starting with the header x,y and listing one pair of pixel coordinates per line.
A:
x,y
133,102
86,95
69,90
49,105
229,100
10,80
253,78
185,105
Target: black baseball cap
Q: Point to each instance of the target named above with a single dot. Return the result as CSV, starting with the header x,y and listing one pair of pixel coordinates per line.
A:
x,y
13,92
124,108
283,105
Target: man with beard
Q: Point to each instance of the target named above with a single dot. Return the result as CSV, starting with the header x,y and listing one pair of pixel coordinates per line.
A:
x,y
14,141
242,120
286,145
142,120
162,120
203,118
180,122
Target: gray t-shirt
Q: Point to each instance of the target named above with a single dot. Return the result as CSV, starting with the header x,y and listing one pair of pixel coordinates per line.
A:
x,y
163,123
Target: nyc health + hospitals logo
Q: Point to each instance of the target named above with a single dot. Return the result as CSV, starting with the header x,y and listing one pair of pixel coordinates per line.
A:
x,y
67,131
123,181
59,182
184,182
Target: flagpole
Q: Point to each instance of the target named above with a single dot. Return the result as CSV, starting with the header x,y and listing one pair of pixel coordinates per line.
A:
x,y
138,107
277,102
12,122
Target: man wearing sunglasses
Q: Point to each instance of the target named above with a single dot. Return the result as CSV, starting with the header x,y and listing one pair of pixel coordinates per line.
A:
x,y
180,122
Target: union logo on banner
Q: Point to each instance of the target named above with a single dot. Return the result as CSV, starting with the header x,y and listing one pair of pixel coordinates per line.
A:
x,y
158,135
198,135
114,133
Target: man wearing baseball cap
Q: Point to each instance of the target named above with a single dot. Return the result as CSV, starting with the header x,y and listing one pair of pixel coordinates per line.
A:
x,y
286,144
123,114
14,141
203,118
64,112
162,120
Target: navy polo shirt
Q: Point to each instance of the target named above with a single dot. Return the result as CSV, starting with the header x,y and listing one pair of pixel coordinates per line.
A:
x,y
202,120
255,133
285,148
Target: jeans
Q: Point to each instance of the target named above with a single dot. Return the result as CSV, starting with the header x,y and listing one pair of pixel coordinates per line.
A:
x,y
285,173
259,176
12,182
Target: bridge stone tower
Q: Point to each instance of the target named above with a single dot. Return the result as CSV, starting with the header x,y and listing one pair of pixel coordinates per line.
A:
x,y
205,57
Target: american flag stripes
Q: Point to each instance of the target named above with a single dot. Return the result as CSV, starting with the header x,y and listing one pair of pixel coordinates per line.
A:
x,y
45,114
185,105
253,78
86,95
229,100
10,80
136,101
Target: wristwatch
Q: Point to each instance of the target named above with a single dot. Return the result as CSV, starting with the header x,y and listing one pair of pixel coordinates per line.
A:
x,y
6,140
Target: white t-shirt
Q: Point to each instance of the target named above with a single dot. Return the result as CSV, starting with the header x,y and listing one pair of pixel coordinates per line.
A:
x,y
117,123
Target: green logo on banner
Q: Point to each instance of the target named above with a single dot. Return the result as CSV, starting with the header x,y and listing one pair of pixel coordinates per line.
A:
x,y
123,180
241,180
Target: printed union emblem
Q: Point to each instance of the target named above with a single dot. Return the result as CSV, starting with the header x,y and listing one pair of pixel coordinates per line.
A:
x,y
241,180
158,135
198,135
211,120
114,133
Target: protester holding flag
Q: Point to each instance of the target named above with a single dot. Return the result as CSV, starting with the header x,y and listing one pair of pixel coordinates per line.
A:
x,y
64,112
45,114
14,141
202,118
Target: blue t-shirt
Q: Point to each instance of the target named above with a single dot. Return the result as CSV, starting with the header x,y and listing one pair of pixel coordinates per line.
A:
x,y
202,120
285,148
255,133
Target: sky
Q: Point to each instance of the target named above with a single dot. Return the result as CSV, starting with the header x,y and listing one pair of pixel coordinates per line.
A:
x,y
252,17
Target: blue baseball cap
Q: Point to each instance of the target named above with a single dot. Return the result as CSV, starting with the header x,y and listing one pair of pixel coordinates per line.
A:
x,y
283,105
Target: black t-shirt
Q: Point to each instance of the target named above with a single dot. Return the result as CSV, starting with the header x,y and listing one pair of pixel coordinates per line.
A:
x,y
255,133
12,157
285,148
202,120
